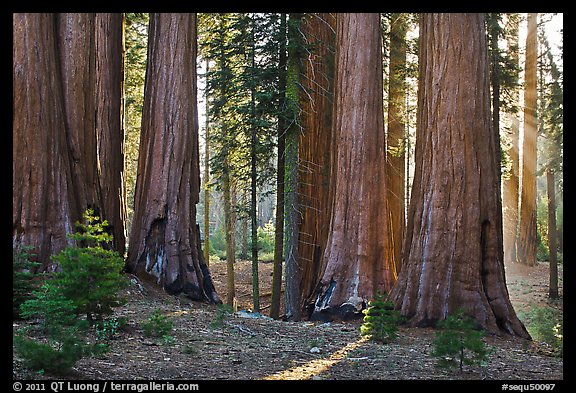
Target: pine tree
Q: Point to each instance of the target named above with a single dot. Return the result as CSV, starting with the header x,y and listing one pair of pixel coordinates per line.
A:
x,y
91,274
456,339
381,320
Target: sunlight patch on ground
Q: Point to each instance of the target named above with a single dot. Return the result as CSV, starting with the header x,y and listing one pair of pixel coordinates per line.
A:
x,y
317,366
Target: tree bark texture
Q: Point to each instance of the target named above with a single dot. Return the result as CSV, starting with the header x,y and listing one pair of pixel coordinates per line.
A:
x,y
316,149
75,80
453,253
109,123
357,255
527,241
165,240
44,209
396,136
77,57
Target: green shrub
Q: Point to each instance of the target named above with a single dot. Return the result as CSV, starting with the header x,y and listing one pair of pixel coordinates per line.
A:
x,y
157,325
545,324
22,276
56,356
88,284
54,310
91,275
223,311
381,320
458,342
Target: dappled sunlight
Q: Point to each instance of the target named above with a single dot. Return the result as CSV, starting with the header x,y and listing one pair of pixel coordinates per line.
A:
x,y
317,366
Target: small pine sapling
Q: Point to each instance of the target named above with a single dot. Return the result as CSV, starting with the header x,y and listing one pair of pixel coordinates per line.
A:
x,y
459,342
91,274
381,320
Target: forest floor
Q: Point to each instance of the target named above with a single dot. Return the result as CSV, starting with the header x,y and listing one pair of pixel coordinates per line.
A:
x,y
205,346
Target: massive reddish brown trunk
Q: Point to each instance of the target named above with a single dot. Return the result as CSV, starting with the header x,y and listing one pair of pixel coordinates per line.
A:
x,y
44,209
78,72
453,254
109,123
526,241
165,240
396,136
358,264
316,148
57,150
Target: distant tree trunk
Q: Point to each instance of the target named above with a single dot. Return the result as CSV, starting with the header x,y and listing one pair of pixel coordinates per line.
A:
x,y
453,253
358,258
207,179
291,138
552,246
44,208
244,228
395,155
109,123
511,183
279,232
316,149
526,241
165,240
230,227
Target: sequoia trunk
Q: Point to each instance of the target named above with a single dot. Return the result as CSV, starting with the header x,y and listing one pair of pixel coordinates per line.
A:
x,y
44,209
165,240
110,123
526,241
77,58
316,149
453,252
357,255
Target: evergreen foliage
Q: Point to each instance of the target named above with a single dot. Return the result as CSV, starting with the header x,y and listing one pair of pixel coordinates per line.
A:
x,y
458,342
545,324
157,325
55,356
381,320
22,276
87,284
90,275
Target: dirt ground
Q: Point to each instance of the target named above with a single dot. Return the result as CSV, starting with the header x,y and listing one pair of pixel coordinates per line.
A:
x,y
203,347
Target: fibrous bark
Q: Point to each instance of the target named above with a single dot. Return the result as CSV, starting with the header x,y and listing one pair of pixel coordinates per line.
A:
x,y
357,255
453,253
165,240
44,208
316,149
109,123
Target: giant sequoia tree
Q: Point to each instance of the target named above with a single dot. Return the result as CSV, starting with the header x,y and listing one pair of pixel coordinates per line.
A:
x,y
453,252
67,135
316,149
44,208
165,240
109,123
357,255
